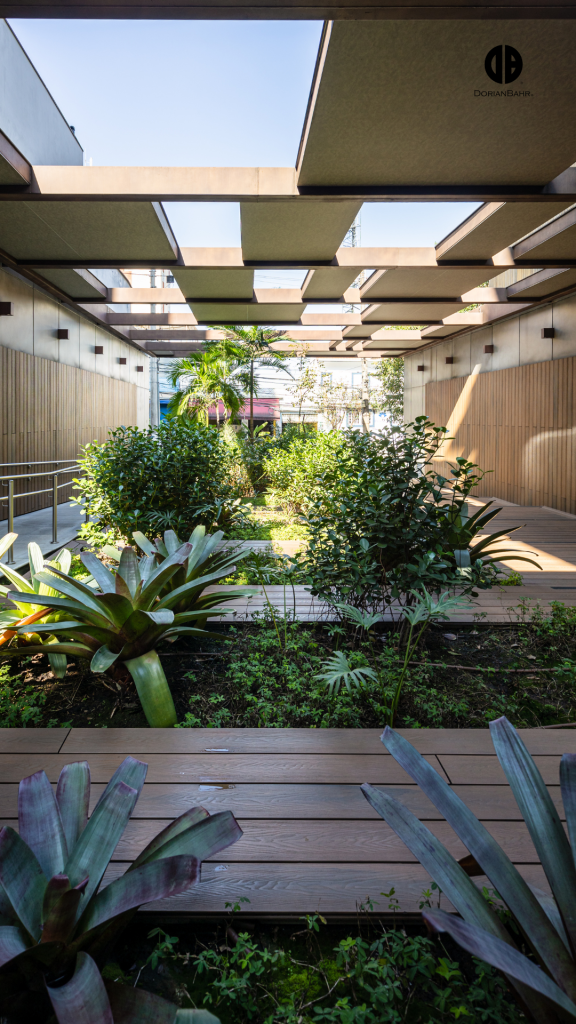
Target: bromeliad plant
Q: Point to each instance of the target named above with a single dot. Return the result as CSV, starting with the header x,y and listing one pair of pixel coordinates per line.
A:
x,y
13,620
135,611
546,984
57,924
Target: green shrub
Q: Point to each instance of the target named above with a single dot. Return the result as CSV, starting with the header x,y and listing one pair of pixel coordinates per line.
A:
x,y
295,474
383,523
20,705
173,476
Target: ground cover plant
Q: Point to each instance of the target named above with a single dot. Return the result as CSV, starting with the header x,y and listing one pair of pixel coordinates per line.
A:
x,y
313,970
461,677
55,924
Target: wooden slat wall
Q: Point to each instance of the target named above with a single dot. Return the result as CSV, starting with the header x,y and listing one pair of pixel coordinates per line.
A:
x,y
521,424
49,409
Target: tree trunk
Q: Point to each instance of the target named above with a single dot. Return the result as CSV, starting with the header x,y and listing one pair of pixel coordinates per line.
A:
x,y
251,399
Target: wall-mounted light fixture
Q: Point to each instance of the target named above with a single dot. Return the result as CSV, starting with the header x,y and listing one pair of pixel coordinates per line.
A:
x,y
489,349
99,350
170,279
547,332
122,360
449,360
6,309
139,369
62,333
421,369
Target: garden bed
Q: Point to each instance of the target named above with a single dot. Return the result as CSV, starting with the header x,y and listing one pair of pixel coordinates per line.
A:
x,y
249,679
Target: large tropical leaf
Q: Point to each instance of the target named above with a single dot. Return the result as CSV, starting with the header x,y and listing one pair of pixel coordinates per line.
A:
x,y
136,1006
40,824
12,943
23,879
152,881
542,819
59,922
500,955
153,690
568,790
73,798
83,999
103,659
202,839
7,542
131,772
492,859
70,587
128,570
102,575
100,837
191,817
98,618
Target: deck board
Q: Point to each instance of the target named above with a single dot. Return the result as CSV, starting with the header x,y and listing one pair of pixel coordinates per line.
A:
x,y
311,841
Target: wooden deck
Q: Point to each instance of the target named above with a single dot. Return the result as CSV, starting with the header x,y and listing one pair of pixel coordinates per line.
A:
x,y
311,841
548,534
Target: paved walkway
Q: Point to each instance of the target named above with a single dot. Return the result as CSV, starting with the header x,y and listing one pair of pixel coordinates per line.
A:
x,y
38,526
311,841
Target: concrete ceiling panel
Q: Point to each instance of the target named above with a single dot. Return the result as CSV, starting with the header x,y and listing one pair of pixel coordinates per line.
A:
x,y
327,283
78,284
553,241
495,226
539,286
441,282
404,102
295,231
85,231
249,313
409,312
215,284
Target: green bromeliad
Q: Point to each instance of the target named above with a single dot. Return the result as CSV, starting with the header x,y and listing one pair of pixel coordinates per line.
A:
x,y
143,602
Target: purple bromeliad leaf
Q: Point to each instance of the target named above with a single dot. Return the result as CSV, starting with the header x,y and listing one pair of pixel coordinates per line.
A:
x,y
40,824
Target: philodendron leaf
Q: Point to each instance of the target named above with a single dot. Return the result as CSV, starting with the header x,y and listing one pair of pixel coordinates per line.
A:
x,y
500,955
83,999
100,837
73,797
23,880
191,817
12,943
150,882
40,824
542,819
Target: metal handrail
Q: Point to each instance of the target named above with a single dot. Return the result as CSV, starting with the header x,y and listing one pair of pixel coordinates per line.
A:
x,y
43,462
11,497
30,476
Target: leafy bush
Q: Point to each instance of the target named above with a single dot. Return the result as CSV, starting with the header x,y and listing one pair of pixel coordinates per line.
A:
x,y
19,705
384,524
172,476
295,473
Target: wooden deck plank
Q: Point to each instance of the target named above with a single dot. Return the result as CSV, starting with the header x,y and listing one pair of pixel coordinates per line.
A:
x,y
298,801
32,741
227,768
144,742
464,769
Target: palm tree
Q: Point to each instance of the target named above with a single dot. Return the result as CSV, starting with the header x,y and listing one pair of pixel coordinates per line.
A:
x,y
252,346
208,378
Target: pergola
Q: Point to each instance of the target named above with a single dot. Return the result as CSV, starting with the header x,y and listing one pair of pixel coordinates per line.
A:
x,y
399,110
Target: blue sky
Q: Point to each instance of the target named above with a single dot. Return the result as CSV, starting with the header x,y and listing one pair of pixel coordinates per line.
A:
x,y
201,93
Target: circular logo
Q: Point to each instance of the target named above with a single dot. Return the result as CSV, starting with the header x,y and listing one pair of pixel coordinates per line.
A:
x,y
503,64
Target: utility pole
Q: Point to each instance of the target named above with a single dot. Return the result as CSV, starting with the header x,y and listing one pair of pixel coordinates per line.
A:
x,y
365,408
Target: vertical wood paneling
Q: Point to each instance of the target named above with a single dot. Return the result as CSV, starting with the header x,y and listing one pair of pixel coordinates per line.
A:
x,y
520,423
48,410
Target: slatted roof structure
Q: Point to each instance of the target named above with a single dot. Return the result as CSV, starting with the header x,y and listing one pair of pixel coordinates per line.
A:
x,y
410,135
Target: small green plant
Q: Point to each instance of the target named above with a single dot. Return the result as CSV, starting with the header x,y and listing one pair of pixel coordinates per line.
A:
x,y
164,948
337,672
56,924
20,706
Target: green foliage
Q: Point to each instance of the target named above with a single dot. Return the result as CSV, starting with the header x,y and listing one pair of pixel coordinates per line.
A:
x,y
296,474
545,923
145,601
337,671
383,526
55,924
20,705
136,476
389,979
387,388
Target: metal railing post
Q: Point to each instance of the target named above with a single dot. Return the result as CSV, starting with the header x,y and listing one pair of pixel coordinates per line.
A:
x,y
11,558
55,508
